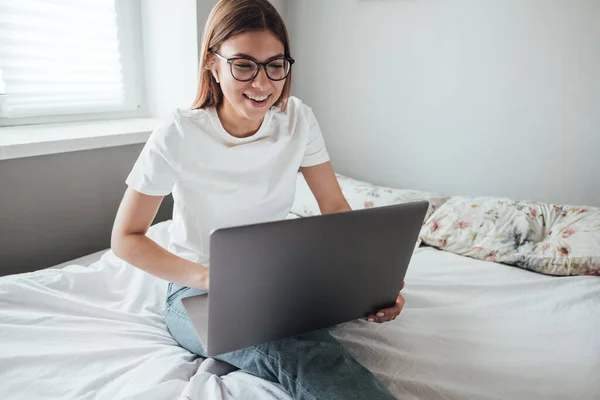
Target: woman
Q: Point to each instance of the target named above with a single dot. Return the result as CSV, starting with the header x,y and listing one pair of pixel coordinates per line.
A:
x,y
231,160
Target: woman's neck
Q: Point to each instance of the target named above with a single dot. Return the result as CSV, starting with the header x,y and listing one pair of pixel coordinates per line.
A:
x,y
235,124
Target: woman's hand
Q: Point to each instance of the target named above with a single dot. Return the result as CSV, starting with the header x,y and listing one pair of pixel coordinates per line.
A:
x,y
196,276
388,314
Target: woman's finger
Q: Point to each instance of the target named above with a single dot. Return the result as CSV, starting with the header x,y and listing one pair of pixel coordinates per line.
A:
x,y
380,316
400,301
388,314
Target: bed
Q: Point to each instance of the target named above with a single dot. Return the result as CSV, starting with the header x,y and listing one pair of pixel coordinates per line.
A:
x,y
471,329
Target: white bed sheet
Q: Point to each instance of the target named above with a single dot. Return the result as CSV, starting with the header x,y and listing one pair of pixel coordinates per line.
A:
x,y
470,330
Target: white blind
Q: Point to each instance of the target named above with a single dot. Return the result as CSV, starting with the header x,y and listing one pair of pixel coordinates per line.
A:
x,y
61,57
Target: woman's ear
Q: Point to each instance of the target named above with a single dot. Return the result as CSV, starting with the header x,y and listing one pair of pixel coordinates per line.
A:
x,y
213,68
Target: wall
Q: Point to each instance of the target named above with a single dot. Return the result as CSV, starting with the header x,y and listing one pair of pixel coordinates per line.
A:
x,y
62,206
282,7
496,97
170,44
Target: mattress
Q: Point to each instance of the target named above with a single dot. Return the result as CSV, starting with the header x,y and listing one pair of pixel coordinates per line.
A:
x,y
470,330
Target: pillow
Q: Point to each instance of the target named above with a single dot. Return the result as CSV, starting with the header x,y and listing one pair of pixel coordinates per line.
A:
x,y
572,246
486,228
361,195
531,235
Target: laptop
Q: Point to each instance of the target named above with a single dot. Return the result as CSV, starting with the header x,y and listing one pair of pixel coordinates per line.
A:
x,y
273,280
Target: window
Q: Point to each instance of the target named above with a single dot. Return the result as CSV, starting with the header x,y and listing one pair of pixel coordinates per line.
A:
x,y
65,60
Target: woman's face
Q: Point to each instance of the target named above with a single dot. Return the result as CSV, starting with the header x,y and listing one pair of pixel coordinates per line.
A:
x,y
249,100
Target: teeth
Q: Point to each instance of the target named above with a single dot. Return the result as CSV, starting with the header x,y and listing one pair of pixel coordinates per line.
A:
x,y
257,98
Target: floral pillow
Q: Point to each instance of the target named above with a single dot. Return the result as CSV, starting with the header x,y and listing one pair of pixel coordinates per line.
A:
x,y
486,228
572,246
536,236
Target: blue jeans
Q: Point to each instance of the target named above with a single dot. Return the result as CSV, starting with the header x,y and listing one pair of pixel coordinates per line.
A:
x,y
311,366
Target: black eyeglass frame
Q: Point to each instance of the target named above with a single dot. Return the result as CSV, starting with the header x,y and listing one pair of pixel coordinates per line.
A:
x,y
230,61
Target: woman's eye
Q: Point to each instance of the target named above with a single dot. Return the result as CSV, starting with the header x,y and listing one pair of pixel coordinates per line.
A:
x,y
244,67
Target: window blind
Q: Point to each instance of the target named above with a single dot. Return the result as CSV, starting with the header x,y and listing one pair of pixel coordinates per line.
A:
x,y
61,57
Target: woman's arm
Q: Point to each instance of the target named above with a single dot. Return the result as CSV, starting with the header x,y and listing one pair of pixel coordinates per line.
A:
x,y
130,243
325,187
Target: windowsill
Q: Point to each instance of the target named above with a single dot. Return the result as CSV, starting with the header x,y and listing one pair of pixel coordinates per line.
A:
x,y
37,140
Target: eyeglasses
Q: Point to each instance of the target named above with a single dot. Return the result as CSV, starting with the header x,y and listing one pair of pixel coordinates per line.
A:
x,y
244,69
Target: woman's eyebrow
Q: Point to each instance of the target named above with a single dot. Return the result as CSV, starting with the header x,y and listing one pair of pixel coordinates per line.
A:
x,y
243,55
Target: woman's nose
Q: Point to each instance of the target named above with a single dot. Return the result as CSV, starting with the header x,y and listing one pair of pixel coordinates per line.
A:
x,y
261,81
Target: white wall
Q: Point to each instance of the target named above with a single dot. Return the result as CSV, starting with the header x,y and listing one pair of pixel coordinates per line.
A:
x,y
170,43
495,97
282,7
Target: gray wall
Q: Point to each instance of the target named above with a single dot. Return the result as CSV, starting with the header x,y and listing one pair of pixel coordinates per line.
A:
x,y
58,207
495,97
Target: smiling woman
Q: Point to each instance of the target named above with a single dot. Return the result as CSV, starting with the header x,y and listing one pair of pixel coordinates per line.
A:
x,y
249,86
231,160
234,52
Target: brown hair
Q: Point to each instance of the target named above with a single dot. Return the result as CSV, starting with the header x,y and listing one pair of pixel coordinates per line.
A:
x,y
230,18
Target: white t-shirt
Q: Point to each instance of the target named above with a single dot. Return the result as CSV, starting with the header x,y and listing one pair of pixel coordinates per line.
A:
x,y
218,180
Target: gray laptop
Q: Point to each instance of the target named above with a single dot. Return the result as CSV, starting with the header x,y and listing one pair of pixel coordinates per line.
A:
x,y
273,280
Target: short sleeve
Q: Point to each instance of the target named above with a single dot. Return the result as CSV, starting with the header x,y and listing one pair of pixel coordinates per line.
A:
x,y
316,152
155,171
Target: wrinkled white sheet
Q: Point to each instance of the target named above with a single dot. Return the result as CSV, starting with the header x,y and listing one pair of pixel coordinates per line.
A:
x,y
470,329
480,330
